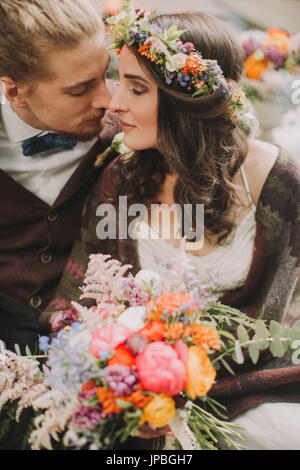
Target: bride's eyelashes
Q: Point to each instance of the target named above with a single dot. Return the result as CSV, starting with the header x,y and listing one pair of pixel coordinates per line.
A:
x,y
137,90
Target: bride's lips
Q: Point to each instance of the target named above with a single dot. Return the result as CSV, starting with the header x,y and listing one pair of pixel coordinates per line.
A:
x,y
126,126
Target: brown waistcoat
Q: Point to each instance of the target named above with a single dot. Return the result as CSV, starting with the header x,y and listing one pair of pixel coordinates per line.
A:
x,y
36,239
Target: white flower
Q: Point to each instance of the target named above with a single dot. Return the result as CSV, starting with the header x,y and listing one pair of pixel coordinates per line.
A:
x,y
176,62
134,318
157,46
145,276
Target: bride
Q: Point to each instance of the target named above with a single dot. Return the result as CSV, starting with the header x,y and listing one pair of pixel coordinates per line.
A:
x,y
183,117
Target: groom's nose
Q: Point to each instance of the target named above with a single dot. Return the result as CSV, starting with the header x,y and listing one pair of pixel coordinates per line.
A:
x,y
117,103
102,97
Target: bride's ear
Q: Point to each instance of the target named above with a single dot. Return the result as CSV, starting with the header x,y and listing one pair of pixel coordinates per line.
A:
x,y
13,92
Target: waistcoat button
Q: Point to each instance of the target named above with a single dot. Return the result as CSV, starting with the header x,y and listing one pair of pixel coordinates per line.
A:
x,y
35,301
46,257
52,216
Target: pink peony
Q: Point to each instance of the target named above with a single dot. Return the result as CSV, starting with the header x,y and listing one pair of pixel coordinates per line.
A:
x,y
160,369
182,350
108,338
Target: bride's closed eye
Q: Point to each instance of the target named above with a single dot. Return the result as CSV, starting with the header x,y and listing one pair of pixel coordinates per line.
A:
x,y
135,90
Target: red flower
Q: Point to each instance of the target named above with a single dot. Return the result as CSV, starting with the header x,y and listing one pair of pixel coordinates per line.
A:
x,y
122,357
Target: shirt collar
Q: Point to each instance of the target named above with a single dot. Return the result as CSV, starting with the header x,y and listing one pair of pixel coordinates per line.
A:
x,y
17,130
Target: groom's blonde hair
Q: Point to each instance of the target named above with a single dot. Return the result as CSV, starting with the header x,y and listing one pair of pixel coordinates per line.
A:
x,y
30,29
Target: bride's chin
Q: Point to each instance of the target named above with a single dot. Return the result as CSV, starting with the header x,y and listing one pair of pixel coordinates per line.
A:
x,y
135,145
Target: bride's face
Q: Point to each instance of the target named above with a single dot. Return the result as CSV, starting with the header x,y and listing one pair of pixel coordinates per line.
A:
x,y
136,102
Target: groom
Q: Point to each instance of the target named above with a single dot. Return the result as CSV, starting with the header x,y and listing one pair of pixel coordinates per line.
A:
x,y
53,63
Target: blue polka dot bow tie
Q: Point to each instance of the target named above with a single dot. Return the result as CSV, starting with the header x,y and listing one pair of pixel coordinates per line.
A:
x,y
45,142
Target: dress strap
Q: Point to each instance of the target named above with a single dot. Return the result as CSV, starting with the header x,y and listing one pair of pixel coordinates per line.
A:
x,y
243,173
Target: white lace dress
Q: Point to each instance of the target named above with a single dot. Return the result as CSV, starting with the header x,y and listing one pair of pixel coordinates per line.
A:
x,y
265,426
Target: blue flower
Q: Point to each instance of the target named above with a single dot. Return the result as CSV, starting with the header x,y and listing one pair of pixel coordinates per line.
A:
x,y
104,354
44,343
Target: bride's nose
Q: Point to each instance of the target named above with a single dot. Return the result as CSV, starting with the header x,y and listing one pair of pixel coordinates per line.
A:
x,y
117,103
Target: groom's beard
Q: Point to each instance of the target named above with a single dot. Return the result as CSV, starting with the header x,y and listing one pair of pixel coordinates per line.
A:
x,y
87,130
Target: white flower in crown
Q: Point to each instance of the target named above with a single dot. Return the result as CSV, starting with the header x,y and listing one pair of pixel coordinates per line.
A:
x,y
176,62
157,46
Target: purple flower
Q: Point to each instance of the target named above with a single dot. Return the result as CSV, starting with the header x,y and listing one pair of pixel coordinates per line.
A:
x,y
88,417
61,319
121,379
275,55
187,48
250,46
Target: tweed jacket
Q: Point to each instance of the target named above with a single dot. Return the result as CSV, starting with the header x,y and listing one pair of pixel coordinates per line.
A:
x,y
270,285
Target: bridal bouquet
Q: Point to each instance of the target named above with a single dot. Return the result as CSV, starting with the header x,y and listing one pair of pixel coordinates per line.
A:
x,y
148,351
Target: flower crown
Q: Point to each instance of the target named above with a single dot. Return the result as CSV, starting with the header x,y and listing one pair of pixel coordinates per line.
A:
x,y
178,61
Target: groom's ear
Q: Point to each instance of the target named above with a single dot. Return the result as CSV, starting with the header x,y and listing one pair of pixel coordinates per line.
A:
x,y
14,92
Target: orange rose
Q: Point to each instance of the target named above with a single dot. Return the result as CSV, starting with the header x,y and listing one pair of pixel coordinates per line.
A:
x,y
122,357
200,373
160,411
154,331
254,69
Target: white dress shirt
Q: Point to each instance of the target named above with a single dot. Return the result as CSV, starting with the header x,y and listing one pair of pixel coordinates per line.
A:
x,y
44,174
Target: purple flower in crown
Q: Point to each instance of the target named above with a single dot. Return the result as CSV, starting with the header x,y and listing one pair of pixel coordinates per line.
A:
x,y
137,35
184,80
187,47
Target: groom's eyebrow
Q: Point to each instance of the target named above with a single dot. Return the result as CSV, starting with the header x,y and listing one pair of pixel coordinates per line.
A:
x,y
78,85
84,82
135,77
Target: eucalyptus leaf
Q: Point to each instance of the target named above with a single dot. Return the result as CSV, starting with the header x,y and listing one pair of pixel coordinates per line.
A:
x,y
296,324
226,334
275,328
253,352
242,334
260,343
261,330
239,357
277,347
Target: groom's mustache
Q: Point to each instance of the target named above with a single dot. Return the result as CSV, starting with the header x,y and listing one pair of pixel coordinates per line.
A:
x,y
96,115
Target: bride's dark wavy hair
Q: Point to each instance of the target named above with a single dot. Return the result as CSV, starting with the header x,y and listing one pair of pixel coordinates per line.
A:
x,y
196,139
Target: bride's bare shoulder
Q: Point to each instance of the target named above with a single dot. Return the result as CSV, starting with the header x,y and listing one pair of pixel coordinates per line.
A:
x,y
260,159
